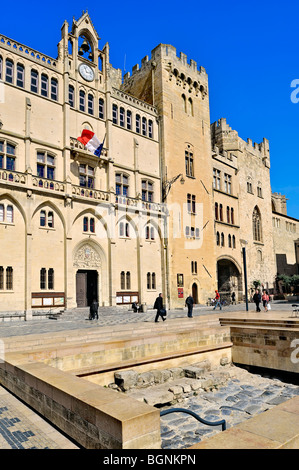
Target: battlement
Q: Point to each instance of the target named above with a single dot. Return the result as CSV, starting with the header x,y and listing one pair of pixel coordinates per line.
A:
x,y
167,51
226,138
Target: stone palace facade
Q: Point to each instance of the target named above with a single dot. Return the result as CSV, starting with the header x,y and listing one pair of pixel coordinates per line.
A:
x,y
166,208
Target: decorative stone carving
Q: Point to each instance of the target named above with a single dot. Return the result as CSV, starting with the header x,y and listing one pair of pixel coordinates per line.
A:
x,y
87,257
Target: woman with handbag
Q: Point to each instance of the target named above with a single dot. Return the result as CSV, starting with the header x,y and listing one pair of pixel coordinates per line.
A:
x,y
265,299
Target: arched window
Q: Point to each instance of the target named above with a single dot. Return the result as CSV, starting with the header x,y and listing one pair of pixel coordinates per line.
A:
x,y
43,276
257,225
82,100
34,81
138,123
148,280
190,107
228,215
20,75
129,119
232,216
71,96
128,280
51,278
114,114
216,211
150,129
1,278
85,224
222,239
1,66
218,239
9,278
184,103
1,212
221,212
54,89
91,225
234,241
44,85
229,241
122,117
101,108
90,104
144,126
9,214
122,280
42,219
9,71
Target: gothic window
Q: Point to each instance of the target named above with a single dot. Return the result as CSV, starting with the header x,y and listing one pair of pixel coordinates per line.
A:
x,y
228,215
190,107
90,104
229,241
54,89
147,191
7,155
34,81
82,100
259,191
122,280
20,75
129,120
9,214
221,212
124,230
138,123
71,96
122,117
216,211
85,224
234,241
128,280
121,184
115,114
194,267
1,66
51,279
101,108
232,216
150,129
86,176
1,212
1,278
216,179
43,276
45,165
184,103
249,187
189,163
256,225
151,281
218,239
44,85
91,225
227,183
222,239
42,218
144,126
9,71
9,278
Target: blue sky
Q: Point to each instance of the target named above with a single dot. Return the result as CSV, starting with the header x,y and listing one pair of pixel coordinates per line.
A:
x,y
249,50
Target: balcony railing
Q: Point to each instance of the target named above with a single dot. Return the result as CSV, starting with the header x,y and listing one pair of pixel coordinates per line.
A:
x,y
90,193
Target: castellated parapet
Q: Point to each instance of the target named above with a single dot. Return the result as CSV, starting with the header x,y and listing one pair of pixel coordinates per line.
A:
x,y
188,75
226,139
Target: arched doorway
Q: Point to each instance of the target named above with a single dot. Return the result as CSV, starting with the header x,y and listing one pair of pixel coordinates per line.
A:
x,y
229,279
88,266
195,292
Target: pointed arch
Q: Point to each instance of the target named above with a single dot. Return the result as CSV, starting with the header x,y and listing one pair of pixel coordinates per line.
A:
x,y
257,224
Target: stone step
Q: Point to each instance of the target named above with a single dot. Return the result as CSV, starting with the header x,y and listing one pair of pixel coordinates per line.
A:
x,y
260,322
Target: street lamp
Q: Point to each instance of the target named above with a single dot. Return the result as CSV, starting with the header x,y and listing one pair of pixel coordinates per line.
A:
x,y
244,242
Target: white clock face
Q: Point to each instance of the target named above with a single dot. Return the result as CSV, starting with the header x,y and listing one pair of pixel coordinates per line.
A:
x,y
86,72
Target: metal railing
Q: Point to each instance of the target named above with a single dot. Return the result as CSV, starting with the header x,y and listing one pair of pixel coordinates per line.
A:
x,y
221,423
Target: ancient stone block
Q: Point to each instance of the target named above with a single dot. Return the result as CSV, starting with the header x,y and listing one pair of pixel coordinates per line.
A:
x,y
126,379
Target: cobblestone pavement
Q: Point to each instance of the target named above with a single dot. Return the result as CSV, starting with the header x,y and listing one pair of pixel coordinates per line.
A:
x,y
244,396
109,316
22,428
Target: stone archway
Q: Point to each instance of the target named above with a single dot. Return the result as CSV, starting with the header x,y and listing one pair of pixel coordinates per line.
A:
x,y
229,279
88,266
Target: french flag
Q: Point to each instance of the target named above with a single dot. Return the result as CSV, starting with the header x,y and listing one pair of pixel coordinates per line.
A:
x,y
91,142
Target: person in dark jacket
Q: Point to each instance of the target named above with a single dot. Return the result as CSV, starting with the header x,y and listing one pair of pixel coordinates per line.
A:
x,y
189,302
257,300
93,311
161,312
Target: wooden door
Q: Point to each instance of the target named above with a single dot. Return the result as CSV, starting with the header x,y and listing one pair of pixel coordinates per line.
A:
x,y
81,289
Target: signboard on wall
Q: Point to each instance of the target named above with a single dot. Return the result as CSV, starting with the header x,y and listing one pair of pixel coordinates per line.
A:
x,y
180,293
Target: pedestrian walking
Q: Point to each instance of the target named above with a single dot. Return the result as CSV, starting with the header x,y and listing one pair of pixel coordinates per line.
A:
x,y
265,299
93,310
161,312
189,303
234,298
217,300
257,300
